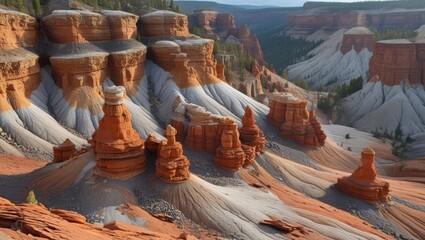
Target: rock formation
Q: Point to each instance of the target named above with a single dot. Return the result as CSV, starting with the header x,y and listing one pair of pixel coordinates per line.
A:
x,y
152,144
358,38
79,26
205,129
164,24
64,151
230,155
212,22
171,165
250,133
290,115
17,30
364,183
249,41
397,60
119,149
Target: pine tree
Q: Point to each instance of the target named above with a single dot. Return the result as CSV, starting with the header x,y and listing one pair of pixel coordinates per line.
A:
x,y
172,5
37,7
31,198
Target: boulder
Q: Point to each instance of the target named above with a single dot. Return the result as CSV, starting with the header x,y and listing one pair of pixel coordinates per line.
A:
x,y
119,149
364,183
171,165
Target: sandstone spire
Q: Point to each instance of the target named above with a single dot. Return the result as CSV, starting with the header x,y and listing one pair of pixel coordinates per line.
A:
x,y
250,133
172,166
119,149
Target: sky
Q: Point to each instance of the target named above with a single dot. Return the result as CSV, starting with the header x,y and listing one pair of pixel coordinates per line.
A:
x,y
280,3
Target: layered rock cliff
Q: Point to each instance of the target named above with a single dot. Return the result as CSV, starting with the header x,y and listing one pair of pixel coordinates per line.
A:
x,y
397,18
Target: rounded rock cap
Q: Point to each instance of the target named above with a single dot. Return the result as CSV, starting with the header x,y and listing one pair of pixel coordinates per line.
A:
x,y
114,95
368,150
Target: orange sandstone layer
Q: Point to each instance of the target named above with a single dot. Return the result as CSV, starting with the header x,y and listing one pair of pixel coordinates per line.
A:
x,y
76,26
164,24
357,38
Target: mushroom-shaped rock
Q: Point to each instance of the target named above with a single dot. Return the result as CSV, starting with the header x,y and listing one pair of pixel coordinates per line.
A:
x,y
364,183
230,155
64,151
250,133
119,149
172,166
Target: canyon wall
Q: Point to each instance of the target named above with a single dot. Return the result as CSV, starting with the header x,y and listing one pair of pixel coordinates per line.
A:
x,y
372,19
397,60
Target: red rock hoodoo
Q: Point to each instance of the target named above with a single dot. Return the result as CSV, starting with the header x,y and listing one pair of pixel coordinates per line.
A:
x,y
249,42
119,149
64,151
250,133
230,155
398,60
171,165
364,183
164,24
358,38
290,115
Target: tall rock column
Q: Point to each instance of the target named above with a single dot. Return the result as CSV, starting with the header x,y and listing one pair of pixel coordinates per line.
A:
x,y
172,166
250,133
119,149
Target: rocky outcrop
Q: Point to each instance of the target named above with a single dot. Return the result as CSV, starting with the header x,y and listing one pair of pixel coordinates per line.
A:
x,y
76,26
357,38
164,24
17,30
397,60
250,133
212,22
119,149
364,183
230,155
64,151
38,222
290,115
171,165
